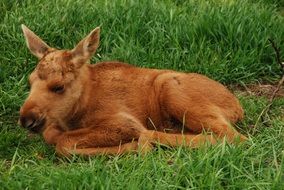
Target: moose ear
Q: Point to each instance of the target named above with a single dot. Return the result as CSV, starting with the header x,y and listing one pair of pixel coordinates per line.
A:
x,y
87,47
36,45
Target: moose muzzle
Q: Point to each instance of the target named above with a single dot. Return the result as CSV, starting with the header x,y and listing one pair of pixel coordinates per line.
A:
x,y
31,118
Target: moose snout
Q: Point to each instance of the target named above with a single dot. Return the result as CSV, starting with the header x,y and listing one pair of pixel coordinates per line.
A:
x,y
32,122
28,120
31,119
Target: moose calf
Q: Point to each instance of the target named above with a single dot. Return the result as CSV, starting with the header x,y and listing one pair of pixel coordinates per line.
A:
x,y
113,107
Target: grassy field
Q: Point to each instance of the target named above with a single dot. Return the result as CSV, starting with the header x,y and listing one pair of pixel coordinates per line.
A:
x,y
224,39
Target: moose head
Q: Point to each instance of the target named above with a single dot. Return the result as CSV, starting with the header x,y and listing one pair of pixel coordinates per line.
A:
x,y
57,82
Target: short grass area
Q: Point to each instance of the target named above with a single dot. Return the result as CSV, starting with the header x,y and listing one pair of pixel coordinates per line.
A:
x,y
226,40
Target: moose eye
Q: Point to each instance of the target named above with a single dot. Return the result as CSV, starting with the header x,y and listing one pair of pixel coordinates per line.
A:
x,y
58,89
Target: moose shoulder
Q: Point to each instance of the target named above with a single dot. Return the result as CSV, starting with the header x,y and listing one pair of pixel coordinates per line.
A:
x,y
113,107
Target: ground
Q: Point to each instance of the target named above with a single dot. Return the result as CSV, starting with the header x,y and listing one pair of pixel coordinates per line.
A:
x,y
224,39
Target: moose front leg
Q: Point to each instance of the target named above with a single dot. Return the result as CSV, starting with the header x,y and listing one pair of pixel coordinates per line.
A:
x,y
113,135
93,141
52,133
112,150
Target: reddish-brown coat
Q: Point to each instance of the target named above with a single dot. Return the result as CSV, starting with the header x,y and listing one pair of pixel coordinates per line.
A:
x,y
113,107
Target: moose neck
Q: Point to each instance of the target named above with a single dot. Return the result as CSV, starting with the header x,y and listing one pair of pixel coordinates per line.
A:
x,y
78,112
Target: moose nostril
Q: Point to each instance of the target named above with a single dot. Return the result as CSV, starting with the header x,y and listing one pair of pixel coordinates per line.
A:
x,y
27,122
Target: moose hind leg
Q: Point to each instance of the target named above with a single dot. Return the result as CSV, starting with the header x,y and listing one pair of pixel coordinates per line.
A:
x,y
223,128
205,121
198,113
174,140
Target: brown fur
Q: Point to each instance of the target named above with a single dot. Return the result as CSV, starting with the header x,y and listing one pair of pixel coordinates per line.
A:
x,y
113,107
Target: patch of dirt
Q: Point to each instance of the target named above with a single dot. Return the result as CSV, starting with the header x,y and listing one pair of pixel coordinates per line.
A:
x,y
265,90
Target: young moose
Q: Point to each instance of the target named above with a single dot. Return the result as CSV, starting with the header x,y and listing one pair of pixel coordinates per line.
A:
x,y
113,107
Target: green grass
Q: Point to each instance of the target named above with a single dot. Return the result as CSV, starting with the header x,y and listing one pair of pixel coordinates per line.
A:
x,y
258,164
224,39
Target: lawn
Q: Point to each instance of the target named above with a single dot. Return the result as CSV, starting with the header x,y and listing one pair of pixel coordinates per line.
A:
x,y
226,40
